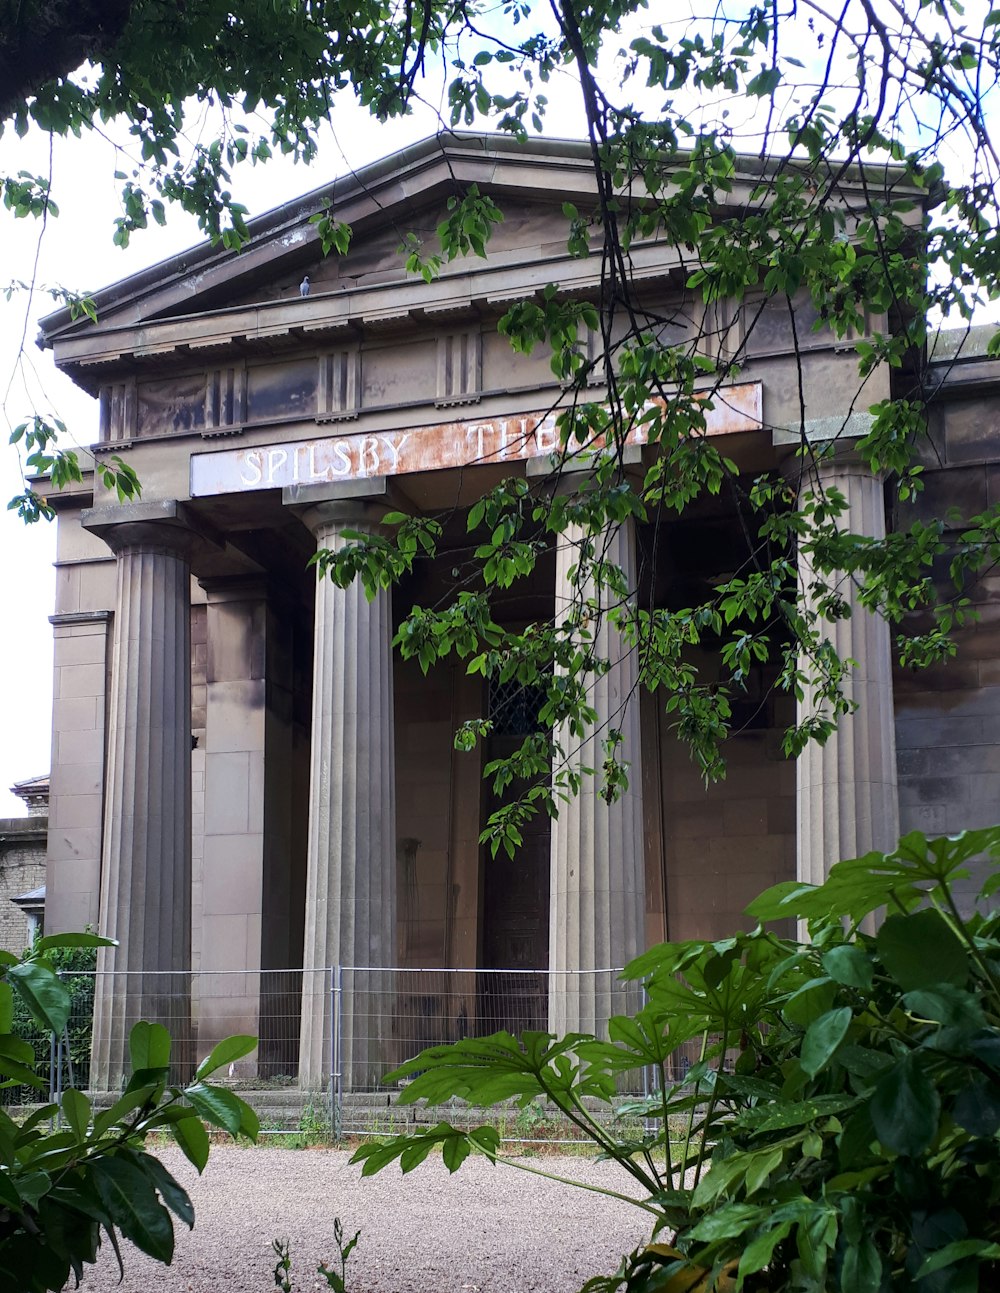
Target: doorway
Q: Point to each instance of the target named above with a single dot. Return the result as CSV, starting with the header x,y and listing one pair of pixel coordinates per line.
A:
x,y
513,989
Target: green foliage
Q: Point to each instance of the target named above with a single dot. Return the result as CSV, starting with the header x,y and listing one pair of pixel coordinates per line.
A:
x,y
75,966
84,1175
852,227
842,1117
335,1278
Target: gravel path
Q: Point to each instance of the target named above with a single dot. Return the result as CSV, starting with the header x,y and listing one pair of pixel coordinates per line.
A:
x,y
484,1230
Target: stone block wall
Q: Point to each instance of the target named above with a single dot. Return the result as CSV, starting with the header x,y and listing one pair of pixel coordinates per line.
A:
x,y
22,868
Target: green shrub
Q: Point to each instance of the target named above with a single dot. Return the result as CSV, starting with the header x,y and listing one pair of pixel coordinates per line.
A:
x,y
67,1183
852,1143
76,967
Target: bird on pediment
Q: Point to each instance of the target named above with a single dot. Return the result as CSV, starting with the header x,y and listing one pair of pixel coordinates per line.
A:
x,y
304,286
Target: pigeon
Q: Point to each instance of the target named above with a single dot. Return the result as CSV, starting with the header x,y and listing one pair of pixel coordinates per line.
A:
x,y
304,286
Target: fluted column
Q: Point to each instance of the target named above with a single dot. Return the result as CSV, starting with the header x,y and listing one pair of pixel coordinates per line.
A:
x,y
597,899
351,879
846,789
146,861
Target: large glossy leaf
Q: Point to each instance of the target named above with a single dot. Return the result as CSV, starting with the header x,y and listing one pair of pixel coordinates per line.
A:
x,y
906,1108
224,1109
228,1051
822,1038
850,965
760,1249
810,1002
76,1112
760,1166
42,991
957,1010
728,1222
51,941
131,1202
149,1046
192,1138
14,1048
956,1252
920,950
171,1191
861,1271
18,1063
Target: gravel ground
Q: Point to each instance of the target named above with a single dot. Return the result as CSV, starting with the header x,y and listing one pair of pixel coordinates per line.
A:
x,y
484,1230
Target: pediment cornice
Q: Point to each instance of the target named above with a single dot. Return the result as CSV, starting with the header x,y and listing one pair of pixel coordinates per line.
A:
x,y
186,300
484,289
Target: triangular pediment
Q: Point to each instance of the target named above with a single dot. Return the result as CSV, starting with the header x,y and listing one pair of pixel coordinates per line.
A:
x,y
405,193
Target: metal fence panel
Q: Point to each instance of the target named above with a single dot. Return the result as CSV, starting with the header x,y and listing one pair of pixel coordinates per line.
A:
x,y
327,1038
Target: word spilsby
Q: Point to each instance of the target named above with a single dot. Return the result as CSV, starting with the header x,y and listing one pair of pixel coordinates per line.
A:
x,y
424,448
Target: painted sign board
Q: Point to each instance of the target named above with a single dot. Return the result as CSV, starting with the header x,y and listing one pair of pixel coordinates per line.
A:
x,y
425,448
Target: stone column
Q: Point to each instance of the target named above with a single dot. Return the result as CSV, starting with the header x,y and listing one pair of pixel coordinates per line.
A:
x,y
146,858
597,900
846,789
351,867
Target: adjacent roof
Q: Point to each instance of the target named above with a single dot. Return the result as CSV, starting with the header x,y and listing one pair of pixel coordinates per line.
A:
x,y
35,793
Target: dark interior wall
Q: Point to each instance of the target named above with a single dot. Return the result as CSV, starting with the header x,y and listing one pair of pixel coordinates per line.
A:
x,y
726,842
424,713
199,696
948,717
710,849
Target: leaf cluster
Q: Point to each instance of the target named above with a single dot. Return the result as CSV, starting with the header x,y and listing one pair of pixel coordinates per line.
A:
x,y
841,1119
72,1174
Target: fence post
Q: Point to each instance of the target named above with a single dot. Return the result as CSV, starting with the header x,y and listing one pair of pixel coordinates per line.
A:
x,y
53,1069
336,1083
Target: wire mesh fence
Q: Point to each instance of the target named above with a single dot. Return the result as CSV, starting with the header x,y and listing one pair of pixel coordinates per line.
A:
x,y
327,1038
386,1017
383,1018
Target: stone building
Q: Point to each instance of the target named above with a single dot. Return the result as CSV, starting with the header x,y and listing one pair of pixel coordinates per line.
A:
x,y
22,867
243,778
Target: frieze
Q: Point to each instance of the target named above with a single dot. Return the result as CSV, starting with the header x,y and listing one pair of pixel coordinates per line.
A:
x,y
439,447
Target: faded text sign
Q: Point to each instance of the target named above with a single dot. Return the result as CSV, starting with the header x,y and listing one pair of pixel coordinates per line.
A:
x,y
424,448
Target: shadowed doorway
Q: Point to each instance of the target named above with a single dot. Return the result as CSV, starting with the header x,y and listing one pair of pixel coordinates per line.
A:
x,y
513,989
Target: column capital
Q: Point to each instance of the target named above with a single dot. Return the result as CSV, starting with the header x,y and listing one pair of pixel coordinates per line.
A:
x,y
347,504
162,526
841,459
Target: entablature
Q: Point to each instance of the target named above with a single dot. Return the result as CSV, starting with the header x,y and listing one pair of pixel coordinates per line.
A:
x,y
270,326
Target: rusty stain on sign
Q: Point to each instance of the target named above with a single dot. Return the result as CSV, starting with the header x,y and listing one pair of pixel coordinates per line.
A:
x,y
426,448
